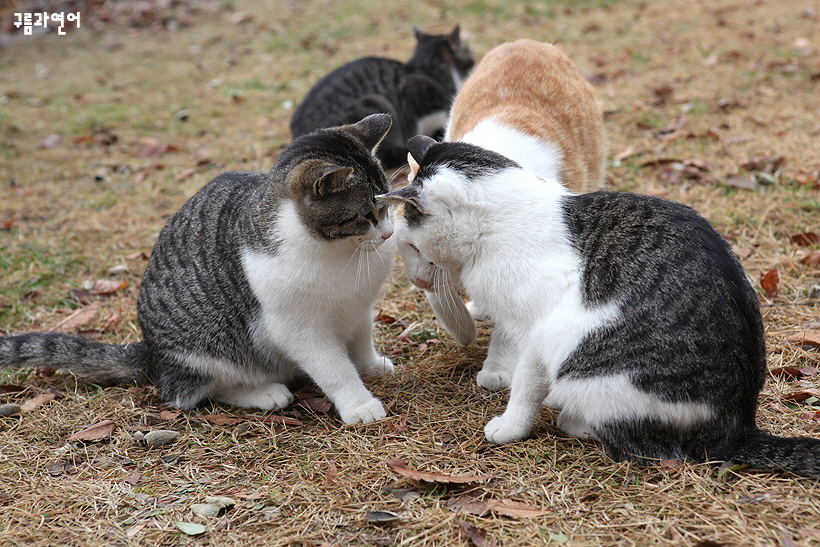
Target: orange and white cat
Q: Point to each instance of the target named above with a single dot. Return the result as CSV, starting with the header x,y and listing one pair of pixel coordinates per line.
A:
x,y
527,101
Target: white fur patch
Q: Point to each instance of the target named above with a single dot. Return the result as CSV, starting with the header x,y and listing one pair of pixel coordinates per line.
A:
x,y
597,401
431,123
537,155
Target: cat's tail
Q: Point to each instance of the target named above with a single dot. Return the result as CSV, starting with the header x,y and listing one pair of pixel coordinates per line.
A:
x,y
98,362
759,450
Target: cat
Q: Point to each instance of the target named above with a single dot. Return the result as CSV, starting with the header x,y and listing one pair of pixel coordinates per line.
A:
x,y
255,281
417,94
630,313
525,100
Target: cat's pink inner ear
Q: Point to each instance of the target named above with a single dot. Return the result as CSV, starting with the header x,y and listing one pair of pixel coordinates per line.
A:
x,y
414,167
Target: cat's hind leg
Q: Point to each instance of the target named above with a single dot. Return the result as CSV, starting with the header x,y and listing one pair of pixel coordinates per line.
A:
x,y
575,426
272,396
499,365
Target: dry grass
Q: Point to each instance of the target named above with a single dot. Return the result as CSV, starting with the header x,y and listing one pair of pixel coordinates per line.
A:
x,y
744,76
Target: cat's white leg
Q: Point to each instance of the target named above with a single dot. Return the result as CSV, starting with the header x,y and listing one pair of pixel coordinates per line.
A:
x,y
453,314
268,397
530,386
327,363
502,356
362,352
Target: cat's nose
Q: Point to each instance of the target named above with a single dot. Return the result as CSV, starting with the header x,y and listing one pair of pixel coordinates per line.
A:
x,y
387,233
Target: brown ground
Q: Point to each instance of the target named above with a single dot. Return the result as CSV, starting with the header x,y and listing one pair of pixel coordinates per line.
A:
x,y
106,131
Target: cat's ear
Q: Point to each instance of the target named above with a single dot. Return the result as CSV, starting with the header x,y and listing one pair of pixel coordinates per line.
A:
x,y
329,179
414,167
418,34
455,37
373,128
409,195
418,146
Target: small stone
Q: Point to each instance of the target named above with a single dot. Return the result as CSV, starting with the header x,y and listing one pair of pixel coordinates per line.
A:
x,y
9,409
220,501
160,437
118,269
206,510
814,293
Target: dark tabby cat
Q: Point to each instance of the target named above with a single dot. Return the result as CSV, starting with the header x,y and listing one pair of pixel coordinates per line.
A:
x,y
255,280
629,313
417,94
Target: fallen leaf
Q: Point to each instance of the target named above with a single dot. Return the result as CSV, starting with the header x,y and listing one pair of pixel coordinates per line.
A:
x,y
795,372
806,239
36,401
332,474
112,322
222,419
810,532
190,528
470,504
515,509
405,335
132,479
169,415
9,388
744,183
107,287
742,253
386,319
673,464
800,396
780,407
399,467
811,416
401,426
806,338
319,404
476,535
94,432
79,318
381,517
52,141
769,282
813,259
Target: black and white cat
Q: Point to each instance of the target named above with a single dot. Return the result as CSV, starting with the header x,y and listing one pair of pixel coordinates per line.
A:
x,y
417,94
629,313
256,280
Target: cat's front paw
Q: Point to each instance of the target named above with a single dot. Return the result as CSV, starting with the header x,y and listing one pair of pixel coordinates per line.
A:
x,y
500,431
371,411
379,367
493,380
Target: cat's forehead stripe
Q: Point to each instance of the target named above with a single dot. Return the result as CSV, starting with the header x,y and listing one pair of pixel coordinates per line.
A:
x,y
472,160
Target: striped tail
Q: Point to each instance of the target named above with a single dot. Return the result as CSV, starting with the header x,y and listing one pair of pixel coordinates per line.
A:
x,y
799,455
98,362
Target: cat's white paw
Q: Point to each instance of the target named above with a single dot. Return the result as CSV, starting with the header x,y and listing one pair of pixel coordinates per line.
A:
x,y
499,431
379,367
268,397
493,380
371,411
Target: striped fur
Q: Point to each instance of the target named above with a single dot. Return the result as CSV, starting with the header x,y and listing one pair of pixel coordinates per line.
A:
x,y
205,312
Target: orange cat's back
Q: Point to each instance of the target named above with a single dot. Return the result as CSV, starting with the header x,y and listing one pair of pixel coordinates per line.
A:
x,y
531,91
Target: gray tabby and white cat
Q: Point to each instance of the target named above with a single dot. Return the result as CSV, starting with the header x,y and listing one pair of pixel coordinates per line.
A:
x,y
629,313
417,94
256,280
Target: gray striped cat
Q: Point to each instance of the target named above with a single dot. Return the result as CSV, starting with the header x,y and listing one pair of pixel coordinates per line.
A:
x,y
629,313
256,280
417,94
